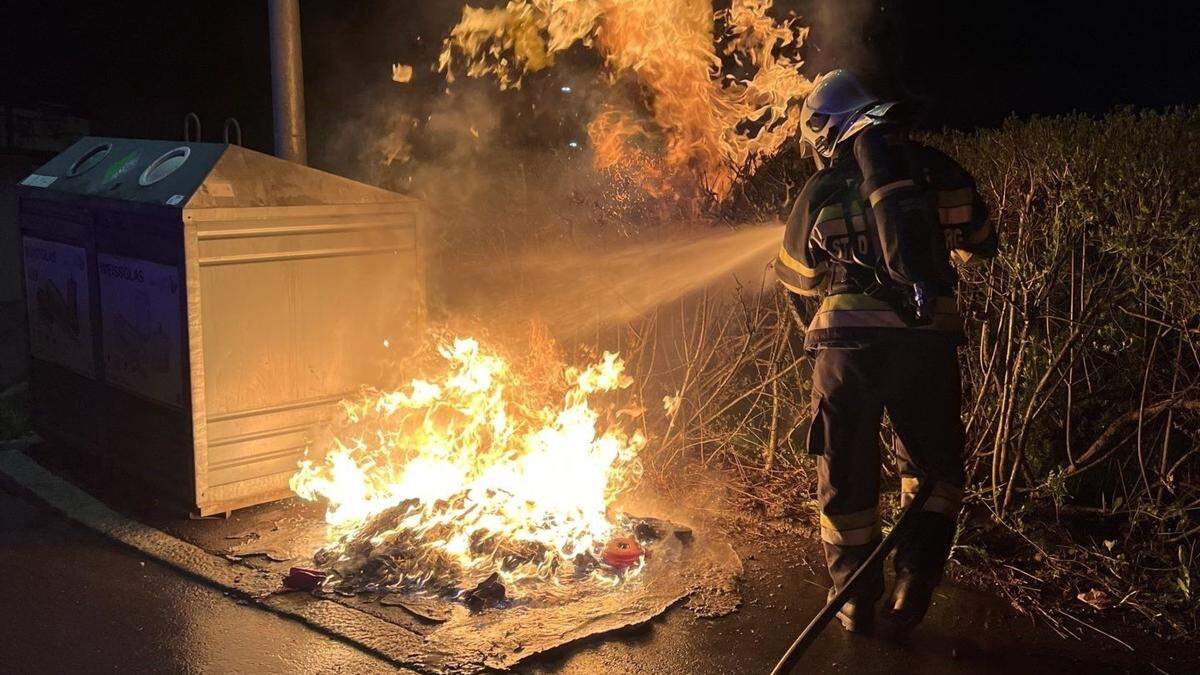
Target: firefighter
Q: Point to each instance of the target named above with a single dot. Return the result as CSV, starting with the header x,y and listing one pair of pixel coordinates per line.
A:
x,y
875,237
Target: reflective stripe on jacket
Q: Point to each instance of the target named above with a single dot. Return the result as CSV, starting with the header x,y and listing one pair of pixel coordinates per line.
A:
x,y
858,310
819,238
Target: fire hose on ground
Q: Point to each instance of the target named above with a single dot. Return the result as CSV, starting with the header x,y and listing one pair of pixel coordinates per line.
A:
x,y
813,630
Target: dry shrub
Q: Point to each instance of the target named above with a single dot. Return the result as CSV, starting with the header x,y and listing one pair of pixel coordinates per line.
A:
x,y
1081,379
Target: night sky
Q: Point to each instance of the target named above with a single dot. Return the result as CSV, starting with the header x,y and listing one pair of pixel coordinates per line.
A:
x,y
135,68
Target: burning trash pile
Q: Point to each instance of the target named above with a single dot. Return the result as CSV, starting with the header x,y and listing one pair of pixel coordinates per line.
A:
x,y
478,485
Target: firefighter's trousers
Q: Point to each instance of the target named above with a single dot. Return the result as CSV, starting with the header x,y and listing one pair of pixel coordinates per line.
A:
x,y
916,380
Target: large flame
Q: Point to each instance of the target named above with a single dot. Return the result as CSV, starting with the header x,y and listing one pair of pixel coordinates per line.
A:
x,y
477,469
722,88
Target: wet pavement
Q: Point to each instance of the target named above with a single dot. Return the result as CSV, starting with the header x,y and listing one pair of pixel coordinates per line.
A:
x,y
86,604
75,602
14,350
967,632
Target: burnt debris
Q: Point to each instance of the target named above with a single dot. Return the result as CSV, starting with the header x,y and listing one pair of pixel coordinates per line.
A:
x,y
487,594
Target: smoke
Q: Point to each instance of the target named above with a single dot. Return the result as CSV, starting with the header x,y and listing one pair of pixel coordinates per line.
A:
x,y
840,35
574,292
869,37
523,221
504,187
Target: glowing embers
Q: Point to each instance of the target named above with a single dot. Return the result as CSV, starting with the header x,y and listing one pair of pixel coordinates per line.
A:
x,y
477,469
381,558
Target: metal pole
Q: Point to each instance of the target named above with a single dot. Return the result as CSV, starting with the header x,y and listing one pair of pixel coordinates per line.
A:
x,y
287,81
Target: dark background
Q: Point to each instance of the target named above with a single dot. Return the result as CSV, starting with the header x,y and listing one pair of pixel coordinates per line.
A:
x,y
135,68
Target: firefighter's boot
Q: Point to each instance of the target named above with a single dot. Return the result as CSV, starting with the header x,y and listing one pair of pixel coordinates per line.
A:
x,y
920,561
857,615
910,601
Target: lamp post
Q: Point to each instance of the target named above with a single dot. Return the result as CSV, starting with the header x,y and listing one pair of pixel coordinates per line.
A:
x,y
287,81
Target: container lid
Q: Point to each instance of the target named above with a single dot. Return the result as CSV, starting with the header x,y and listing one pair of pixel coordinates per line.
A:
x,y
194,176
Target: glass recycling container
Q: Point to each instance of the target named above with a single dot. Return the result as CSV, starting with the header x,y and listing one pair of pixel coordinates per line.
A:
x,y
197,309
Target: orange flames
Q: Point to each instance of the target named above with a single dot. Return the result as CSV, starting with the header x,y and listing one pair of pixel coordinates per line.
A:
x,y
480,468
469,468
705,126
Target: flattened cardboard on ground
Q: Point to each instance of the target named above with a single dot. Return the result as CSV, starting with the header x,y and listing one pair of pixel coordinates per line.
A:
x,y
279,536
461,643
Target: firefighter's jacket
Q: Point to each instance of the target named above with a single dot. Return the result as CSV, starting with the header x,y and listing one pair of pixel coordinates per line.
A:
x,y
844,241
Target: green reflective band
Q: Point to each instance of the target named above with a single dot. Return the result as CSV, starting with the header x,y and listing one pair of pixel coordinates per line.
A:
x,y
858,310
853,301
946,498
798,267
829,213
856,537
856,319
861,301
796,282
851,521
798,290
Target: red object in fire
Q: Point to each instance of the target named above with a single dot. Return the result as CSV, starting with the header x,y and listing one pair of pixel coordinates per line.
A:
x,y
622,552
303,579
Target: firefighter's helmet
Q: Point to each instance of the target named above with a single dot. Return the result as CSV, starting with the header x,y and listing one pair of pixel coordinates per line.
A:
x,y
837,109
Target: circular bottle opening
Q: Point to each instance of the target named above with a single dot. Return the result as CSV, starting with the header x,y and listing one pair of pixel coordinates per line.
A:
x,y
89,160
164,166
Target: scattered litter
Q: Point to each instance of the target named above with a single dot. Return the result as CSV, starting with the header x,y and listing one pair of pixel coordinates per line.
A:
x,y
621,553
465,622
649,530
303,579
488,594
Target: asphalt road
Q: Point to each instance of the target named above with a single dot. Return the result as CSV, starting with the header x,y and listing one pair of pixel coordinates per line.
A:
x,y
73,601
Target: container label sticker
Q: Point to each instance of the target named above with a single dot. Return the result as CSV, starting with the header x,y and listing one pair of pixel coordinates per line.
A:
x,y
38,180
58,298
141,318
